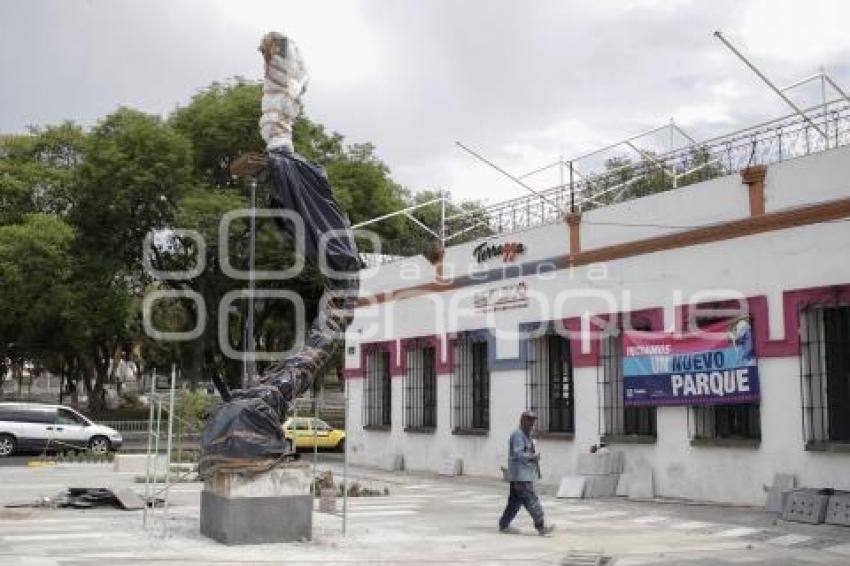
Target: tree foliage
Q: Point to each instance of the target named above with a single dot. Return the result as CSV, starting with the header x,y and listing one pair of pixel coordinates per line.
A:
x,y
76,207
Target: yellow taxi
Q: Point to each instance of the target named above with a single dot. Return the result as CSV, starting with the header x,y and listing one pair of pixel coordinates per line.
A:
x,y
307,432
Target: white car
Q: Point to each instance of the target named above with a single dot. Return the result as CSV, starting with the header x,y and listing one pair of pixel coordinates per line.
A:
x,y
33,426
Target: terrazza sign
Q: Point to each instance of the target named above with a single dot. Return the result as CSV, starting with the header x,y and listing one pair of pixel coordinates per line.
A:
x,y
508,251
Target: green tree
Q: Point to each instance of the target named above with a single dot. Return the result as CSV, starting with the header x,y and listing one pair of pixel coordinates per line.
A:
x,y
35,289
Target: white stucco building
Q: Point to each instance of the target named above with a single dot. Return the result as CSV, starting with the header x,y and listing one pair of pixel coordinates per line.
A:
x,y
442,358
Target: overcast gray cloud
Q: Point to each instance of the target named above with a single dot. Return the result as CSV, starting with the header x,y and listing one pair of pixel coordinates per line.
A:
x,y
524,82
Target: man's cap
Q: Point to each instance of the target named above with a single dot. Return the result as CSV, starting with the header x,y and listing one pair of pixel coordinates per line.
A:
x,y
529,415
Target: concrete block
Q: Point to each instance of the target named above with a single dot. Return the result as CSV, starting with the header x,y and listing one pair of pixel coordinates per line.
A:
x,y
287,479
838,509
637,484
451,467
394,463
806,506
571,487
601,486
777,499
601,463
256,520
784,481
623,486
137,463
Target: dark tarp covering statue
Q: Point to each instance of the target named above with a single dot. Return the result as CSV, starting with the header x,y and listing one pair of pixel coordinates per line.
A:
x,y
244,433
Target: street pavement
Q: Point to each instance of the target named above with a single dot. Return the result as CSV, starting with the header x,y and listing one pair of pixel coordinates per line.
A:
x,y
426,519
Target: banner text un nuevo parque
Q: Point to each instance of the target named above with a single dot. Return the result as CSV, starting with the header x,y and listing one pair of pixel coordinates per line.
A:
x,y
716,365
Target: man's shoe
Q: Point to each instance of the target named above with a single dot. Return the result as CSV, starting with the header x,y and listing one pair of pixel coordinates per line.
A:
x,y
509,531
545,530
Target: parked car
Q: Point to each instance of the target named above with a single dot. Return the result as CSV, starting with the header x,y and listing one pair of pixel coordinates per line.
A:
x,y
307,432
33,426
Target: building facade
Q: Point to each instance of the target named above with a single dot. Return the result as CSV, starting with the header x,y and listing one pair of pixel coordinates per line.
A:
x,y
442,358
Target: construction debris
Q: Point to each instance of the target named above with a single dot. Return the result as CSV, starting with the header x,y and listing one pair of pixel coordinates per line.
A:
x,y
87,498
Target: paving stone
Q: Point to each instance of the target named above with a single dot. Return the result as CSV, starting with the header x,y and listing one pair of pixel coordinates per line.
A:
x,y
806,506
838,509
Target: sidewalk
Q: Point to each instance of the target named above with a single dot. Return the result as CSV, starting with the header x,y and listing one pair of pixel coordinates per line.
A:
x,y
426,519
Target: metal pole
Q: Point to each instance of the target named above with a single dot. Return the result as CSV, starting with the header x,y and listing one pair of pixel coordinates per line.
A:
x,y
148,457
248,364
672,130
156,451
572,190
825,106
168,444
505,173
442,221
345,466
772,86
315,442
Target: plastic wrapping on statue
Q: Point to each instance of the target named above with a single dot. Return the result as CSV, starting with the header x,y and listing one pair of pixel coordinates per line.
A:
x,y
283,85
244,435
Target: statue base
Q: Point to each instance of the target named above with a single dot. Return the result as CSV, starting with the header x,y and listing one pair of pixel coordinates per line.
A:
x,y
273,506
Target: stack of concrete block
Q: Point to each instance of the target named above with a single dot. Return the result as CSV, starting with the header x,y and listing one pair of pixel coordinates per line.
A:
x,y
838,509
451,466
806,506
637,484
601,472
778,493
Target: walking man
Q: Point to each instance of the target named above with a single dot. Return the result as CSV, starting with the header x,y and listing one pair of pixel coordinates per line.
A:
x,y
523,471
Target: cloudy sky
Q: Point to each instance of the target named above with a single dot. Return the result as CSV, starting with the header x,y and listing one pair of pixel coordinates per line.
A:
x,y
522,82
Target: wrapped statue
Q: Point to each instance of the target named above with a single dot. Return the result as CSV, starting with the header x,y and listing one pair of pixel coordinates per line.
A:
x,y
244,433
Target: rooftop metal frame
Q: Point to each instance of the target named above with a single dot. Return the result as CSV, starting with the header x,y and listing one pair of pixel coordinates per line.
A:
x,y
801,132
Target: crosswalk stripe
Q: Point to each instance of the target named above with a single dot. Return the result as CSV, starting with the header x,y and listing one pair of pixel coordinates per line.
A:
x,y
691,526
648,519
58,536
388,513
596,516
840,549
738,532
789,540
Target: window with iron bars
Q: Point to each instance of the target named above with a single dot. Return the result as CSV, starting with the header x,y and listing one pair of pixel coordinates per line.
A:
x,y
471,384
825,374
420,387
615,420
549,383
741,421
377,396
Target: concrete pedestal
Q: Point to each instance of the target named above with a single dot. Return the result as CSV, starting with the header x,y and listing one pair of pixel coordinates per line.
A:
x,y
275,506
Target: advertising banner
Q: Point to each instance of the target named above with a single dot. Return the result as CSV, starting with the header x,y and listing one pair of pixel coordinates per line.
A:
x,y
715,365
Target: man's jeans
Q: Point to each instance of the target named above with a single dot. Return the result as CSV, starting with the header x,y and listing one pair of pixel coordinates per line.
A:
x,y
522,493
